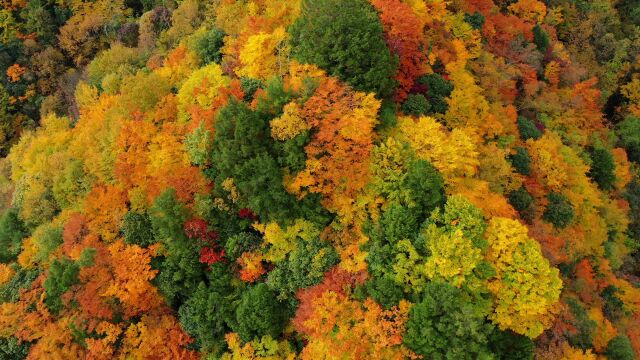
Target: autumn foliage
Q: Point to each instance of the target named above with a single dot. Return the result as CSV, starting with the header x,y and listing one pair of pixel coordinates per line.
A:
x,y
319,179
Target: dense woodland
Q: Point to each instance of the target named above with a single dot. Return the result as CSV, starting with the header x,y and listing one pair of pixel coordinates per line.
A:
x,y
320,179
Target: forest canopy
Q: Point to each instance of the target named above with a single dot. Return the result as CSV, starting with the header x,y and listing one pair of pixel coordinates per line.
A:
x,y
320,179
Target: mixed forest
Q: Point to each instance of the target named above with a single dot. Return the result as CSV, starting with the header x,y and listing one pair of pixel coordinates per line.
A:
x,y
320,179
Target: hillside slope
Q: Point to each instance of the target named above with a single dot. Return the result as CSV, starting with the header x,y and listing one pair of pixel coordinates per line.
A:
x,y
320,179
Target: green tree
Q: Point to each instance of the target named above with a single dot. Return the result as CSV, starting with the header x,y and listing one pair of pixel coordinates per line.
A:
x,y
426,186
602,169
476,20
206,315
243,150
445,325
399,222
63,274
583,337
137,229
521,160
208,46
613,306
528,129
559,210
540,38
437,90
509,346
259,313
242,242
632,195
12,349
619,348
249,87
416,105
522,201
385,291
304,267
345,38
6,128
628,132
12,231
180,269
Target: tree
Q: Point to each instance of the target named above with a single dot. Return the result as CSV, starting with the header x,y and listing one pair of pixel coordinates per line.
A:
x,y
528,129
21,280
521,160
526,287
416,105
632,195
522,201
453,257
263,348
132,276
400,178
208,313
602,168
242,150
437,90
509,346
290,124
405,38
559,210
444,310
426,185
476,20
304,267
180,270
159,337
336,325
385,291
62,275
12,231
6,132
342,327
12,349
259,313
345,38
619,348
81,36
453,154
117,61
105,206
199,91
613,307
137,229
540,38
629,133
337,165
531,10
264,55
209,44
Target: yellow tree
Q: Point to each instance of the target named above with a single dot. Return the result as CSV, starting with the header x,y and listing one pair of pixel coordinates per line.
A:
x,y
632,92
453,256
265,348
284,241
264,55
526,288
289,124
453,153
531,10
200,90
